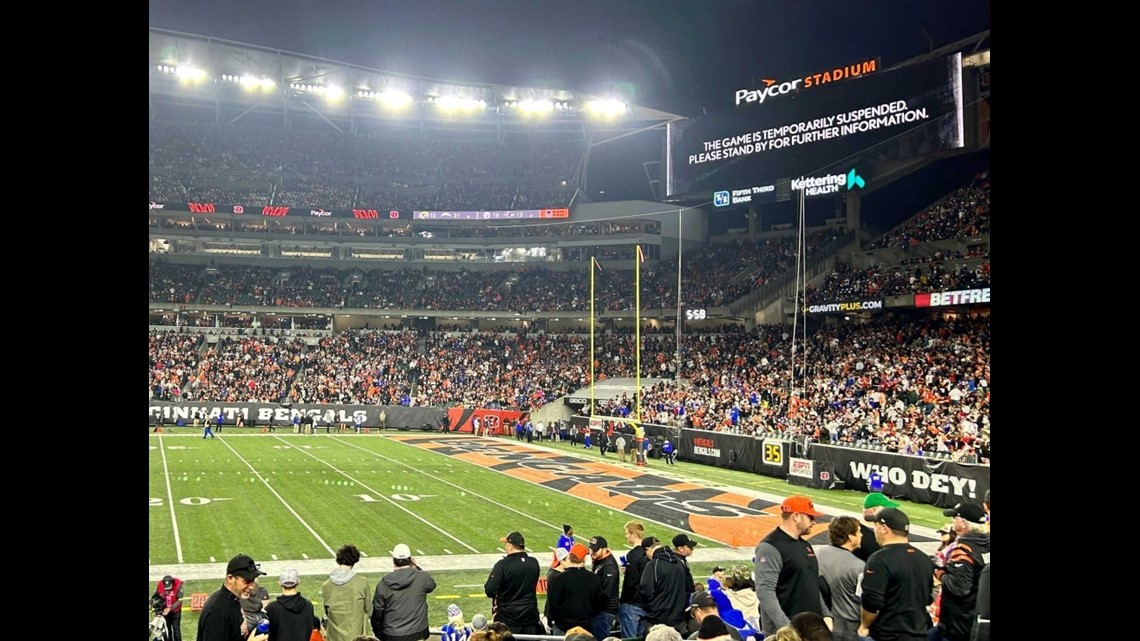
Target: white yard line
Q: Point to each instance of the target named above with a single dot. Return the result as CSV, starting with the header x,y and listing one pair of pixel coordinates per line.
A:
x,y
381,494
170,500
282,499
458,487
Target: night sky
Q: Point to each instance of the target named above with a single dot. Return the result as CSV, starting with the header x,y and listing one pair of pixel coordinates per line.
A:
x,y
679,56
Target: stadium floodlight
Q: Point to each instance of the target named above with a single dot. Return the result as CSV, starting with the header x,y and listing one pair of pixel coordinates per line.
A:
x,y
251,83
604,108
184,74
394,99
536,106
455,103
331,93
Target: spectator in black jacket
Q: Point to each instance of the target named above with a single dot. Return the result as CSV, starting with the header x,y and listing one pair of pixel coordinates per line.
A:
x,y
221,618
630,610
962,571
291,615
981,629
399,605
576,597
606,569
663,588
511,586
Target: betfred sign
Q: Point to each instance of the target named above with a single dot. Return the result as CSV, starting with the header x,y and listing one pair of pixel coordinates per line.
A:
x,y
960,297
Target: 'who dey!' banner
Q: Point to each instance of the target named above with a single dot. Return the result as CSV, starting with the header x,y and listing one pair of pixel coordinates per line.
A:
x,y
914,478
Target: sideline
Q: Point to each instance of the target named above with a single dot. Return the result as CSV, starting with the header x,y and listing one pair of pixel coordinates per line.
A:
x,y
383,564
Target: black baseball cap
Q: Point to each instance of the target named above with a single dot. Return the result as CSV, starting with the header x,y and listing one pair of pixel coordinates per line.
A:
x,y
968,511
683,540
515,539
597,543
244,566
649,542
893,518
701,599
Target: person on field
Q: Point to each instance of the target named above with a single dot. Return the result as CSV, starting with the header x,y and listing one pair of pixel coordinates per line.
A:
x,y
170,591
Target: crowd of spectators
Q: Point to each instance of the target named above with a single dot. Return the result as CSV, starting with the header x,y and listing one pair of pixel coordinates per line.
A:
x,y
337,170
174,359
912,385
708,276
236,368
845,283
172,282
963,213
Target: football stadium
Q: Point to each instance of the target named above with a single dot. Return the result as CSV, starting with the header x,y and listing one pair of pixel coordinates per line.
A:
x,y
397,313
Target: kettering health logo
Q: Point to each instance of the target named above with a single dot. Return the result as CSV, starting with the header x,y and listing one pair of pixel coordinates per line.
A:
x,y
829,184
721,199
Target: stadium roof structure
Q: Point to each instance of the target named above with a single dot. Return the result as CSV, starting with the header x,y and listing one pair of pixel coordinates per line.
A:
x,y
611,388
229,81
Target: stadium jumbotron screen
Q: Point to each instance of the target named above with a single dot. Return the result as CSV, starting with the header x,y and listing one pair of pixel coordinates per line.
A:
x,y
775,133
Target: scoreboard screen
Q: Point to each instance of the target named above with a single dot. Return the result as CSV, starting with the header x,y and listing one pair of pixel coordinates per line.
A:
x,y
786,131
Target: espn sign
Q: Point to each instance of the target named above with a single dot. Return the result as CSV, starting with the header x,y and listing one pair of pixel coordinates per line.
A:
x,y
802,468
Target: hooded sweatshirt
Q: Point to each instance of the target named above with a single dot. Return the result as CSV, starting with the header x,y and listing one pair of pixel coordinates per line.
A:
x,y
290,618
348,604
662,589
399,608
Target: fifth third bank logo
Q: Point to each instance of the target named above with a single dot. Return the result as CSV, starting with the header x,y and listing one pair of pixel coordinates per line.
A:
x,y
721,199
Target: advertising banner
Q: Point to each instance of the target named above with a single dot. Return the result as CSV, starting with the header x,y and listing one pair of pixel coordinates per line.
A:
x,y
808,473
845,306
495,422
306,211
268,414
962,297
914,478
733,451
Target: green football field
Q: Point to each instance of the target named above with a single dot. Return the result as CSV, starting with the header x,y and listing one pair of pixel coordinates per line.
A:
x,y
291,500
